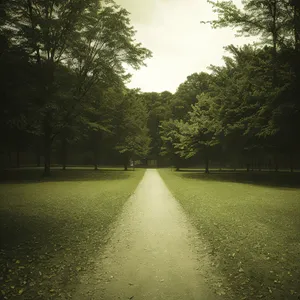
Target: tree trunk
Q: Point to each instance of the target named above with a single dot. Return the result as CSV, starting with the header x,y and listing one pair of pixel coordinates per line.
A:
x,y
97,137
64,153
125,161
47,144
276,164
95,154
38,157
47,157
176,163
274,32
95,161
206,165
248,167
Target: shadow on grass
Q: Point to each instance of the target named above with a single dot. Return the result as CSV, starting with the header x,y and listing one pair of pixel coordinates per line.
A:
x,y
53,251
36,175
275,179
29,231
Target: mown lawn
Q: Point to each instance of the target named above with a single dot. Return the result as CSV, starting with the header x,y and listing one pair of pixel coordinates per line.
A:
x,y
253,232
52,230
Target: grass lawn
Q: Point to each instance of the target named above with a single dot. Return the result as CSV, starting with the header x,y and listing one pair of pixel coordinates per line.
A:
x,y
253,231
52,229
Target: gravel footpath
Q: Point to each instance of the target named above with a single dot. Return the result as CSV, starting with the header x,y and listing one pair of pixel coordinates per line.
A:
x,y
154,252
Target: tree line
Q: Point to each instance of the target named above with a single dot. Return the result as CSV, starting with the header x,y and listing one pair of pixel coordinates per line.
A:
x,y
63,74
246,112
63,87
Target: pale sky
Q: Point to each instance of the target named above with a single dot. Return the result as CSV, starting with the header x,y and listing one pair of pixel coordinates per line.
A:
x,y
180,45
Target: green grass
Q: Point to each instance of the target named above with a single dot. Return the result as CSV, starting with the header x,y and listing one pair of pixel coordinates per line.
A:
x,y
52,230
253,231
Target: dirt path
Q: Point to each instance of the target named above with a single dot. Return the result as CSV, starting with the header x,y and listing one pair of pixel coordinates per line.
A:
x,y
153,252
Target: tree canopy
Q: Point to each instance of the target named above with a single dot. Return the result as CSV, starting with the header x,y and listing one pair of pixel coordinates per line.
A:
x,y
63,84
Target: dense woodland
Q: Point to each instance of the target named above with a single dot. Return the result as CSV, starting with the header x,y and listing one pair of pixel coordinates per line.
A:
x,y
64,97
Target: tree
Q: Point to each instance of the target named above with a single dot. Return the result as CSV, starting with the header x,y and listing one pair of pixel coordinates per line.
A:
x,y
187,93
93,39
238,91
170,136
275,22
100,119
132,134
17,77
159,109
200,132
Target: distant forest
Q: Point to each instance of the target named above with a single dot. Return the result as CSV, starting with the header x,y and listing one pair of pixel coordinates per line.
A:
x,y
65,102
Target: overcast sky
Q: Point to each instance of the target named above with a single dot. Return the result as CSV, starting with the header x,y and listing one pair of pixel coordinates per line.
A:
x,y
180,45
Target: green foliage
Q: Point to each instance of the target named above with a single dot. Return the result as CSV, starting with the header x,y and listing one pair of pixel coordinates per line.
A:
x,y
200,132
63,74
159,109
240,112
133,140
268,19
187,93
170,136
75,49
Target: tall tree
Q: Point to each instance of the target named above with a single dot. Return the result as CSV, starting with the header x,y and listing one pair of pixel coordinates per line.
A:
x,y
275,23
94,39
170,135
133,140
200,132
100,119
159,106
